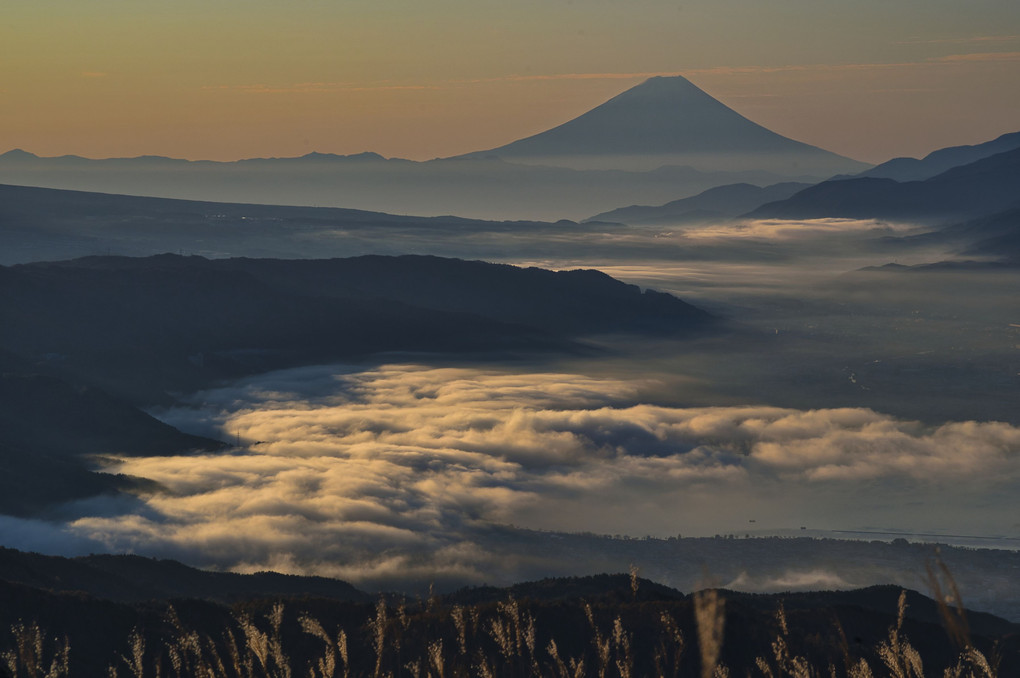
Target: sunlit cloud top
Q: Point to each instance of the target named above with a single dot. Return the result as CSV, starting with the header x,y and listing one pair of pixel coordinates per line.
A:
x,y
403,470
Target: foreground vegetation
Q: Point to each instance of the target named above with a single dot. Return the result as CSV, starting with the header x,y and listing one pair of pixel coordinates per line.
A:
x,y
624,631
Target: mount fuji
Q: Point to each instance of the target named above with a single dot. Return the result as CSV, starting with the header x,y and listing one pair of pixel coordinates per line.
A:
x,y
669,121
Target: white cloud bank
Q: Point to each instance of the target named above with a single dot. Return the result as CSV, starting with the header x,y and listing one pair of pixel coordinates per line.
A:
x,y
403,470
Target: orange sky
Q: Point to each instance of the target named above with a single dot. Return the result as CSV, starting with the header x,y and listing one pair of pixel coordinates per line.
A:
x,y
226,80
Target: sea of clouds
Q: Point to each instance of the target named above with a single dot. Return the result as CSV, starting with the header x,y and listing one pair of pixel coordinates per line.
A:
x,y
405,471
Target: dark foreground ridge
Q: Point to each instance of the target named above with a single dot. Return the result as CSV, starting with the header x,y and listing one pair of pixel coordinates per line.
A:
x,y
142,327
84,343
210,624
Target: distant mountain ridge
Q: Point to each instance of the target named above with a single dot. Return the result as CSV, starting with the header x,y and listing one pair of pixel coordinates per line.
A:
x,y
977,189
659,141
484,188
18,155
722,202
941,160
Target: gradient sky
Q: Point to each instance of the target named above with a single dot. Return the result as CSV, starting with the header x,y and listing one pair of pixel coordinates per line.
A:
x,y
226,79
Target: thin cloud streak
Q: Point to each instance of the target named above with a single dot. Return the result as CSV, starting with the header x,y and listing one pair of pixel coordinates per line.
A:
x,y
326,87
314,88
337,87
929,62
979,57
980,39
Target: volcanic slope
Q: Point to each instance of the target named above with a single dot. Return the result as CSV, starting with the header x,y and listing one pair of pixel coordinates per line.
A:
x,y
670,121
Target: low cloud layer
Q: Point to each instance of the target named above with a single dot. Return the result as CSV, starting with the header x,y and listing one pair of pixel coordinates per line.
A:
x,y
790,229
405,471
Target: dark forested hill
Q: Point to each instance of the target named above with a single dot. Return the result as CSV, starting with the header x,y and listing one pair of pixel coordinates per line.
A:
x,y
135,614
139,327
50,426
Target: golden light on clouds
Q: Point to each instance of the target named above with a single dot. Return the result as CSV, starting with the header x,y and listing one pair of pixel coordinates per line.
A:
x,y
401,470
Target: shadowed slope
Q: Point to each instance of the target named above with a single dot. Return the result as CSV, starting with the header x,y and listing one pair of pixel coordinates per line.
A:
x,y
721,202
142,327
978,189
937,162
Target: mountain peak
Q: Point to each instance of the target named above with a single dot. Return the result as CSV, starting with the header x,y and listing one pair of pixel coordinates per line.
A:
x,y
668,120
667,83
333,157
18,154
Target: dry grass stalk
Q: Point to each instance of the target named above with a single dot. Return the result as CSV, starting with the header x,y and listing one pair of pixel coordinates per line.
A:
x,y
860,670
29,658
621,643
378,625
136,662
437,663
558,663
946,593
764,667
460,623
326,665
483,668
601,643
971,664
786,663
902,660
413,667
500,632
670,647
709,618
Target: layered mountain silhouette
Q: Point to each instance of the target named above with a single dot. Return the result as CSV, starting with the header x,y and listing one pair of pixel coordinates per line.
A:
x,y
487,188
138,327
937,162
50,427
669,120
84,342
995,236
41,224
722,202
662,140
134,579
977,189
990,243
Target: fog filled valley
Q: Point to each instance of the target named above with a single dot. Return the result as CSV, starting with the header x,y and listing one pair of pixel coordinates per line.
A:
x,y
770,382
822,389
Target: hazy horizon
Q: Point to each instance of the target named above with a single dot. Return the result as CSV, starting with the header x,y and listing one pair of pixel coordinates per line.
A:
x,y
868,80
776,119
